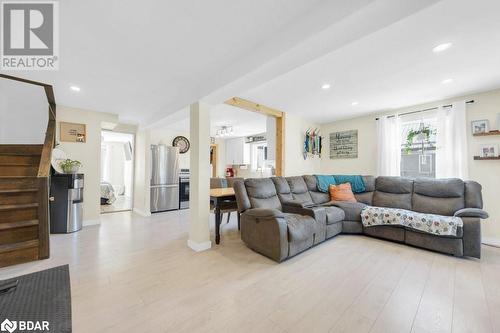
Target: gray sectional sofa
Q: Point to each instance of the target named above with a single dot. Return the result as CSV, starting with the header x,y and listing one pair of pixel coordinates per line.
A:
x,y
283,216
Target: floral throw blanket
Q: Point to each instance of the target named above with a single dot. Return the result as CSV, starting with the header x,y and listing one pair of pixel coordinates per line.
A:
x,y
430,223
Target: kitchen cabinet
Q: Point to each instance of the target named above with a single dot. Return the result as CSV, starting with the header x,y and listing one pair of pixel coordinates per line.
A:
x,y
237,151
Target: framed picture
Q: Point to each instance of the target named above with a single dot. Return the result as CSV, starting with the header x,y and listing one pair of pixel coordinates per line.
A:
x,y
344,144
480,126
489,150
71,132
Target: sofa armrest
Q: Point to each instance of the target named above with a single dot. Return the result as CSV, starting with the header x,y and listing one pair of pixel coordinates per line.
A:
x,y
296,203
317,213
266,232
471,212
264,212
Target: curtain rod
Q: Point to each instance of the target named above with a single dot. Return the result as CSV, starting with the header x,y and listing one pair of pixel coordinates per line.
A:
x,y
424,110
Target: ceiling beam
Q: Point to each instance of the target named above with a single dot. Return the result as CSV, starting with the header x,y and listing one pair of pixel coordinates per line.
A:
x,y
254,107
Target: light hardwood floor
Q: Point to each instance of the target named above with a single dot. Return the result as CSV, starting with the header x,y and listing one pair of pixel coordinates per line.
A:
x,y
135,274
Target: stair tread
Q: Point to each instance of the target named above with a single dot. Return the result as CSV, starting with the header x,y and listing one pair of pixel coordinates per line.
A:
x,y
18,206
18,224
20,153
17,177
18,246
3,164
20,190
21,150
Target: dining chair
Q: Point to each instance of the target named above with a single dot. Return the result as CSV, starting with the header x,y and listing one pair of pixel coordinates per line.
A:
x,y
230,207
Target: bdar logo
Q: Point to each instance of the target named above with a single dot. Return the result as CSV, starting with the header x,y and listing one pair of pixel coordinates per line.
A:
x,y
8,326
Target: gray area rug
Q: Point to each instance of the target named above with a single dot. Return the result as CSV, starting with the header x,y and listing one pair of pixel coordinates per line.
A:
x,y
41,296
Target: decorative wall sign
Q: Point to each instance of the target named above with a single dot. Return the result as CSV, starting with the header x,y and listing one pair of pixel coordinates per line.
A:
x,y
181,142
71,132
344,144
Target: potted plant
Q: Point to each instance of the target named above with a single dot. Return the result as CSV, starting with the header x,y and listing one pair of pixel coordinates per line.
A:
x,y
70,166
423,134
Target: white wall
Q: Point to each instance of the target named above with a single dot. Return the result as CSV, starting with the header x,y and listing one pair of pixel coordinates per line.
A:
x,y
89,153
295,165
24,113
366,163
166,136
486,106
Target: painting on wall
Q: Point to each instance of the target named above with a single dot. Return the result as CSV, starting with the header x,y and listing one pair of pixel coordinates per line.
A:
x,y
344,144
71,132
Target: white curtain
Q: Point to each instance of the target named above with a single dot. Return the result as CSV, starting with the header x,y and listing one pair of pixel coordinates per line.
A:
x,y
389,146
451,142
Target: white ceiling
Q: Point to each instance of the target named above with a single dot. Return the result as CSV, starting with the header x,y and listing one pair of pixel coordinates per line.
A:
x,y
244,122
395,67
147,59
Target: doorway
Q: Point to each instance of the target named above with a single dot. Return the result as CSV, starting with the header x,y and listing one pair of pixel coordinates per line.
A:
x,y
117,170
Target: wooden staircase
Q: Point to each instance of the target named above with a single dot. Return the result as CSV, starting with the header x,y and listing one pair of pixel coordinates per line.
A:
x,y
24,188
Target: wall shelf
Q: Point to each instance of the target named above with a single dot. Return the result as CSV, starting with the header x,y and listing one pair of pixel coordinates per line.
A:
x,y
487,133
479,158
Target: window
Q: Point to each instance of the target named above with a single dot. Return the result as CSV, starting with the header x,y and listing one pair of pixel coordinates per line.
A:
x,y
418,147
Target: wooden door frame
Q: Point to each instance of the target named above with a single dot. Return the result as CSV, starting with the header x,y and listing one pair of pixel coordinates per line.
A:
x,y
215,149
280,127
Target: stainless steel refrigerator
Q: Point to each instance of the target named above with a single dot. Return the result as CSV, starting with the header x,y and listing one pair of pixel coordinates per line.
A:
x,y
164,178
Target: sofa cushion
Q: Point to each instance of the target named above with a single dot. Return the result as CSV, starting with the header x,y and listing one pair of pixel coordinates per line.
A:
x,y
342,192
365,197
369,183
262,193
299,189
396,185
439,188
473,196
352,210
312,185
282,189
438,196
334,215
394,192
439,206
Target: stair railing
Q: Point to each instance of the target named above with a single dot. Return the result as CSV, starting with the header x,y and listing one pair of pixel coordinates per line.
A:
x,y
43,168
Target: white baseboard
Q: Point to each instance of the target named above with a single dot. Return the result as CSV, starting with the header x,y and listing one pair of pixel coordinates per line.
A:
x,y
87,223
141,212
198,247
491,241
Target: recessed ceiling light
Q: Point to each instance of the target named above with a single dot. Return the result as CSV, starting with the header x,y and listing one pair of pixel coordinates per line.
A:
x,y
441,47
75,88
446,81
326,86
354,103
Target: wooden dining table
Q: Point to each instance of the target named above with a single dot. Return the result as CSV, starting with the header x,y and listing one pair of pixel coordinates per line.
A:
x,y
222,198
